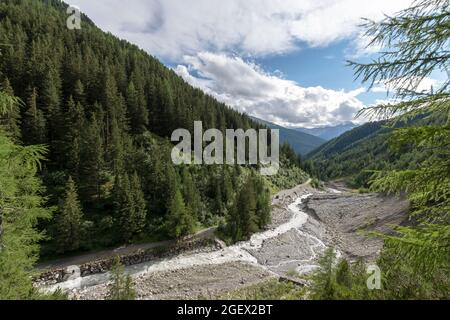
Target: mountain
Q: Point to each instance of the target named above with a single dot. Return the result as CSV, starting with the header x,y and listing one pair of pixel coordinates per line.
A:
x,y
328,133
301,142
365,148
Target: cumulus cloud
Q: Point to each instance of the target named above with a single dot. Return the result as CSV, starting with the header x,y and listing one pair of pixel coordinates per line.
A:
x,y
173,28
211,41
246,87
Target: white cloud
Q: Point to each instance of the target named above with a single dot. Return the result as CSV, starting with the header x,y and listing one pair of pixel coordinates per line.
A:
x,y
209,40
173,28
246,87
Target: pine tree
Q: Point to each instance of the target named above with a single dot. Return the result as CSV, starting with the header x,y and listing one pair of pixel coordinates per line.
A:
x,y
179,220
91,159
51,106
156,190
242,220
137,109
121,287
233,225
51,100
129,206
69,222
74,123
79,94
323,280
190,193
123,206
218,198
116,149
21,206
170,184
10,121
114,104
263,208
227,193
34,124
163,107
246,206
343,273
140,211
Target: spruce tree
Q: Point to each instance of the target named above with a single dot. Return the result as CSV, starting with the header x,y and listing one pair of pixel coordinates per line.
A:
x,y
115,117
156,189
91,159
179,221
69,221
51,106
163,109
121,286
190,193
129,206
323,280
233,225
246,206
140,211
51,102
74,124
227,193
263,208
343,273
218,198
116,149
10,120
21,207
34,123
242,220
79,94
137,109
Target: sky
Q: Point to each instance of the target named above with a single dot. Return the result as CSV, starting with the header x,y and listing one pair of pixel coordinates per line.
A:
x,y
283,61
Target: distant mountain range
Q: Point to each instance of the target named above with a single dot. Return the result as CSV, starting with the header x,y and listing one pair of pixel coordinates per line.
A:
x,y
328,133
301,142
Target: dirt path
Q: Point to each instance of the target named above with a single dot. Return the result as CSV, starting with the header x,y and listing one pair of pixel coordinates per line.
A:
x,y
122,250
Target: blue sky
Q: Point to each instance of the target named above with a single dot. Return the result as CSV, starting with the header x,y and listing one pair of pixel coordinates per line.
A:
x,y
279,60
323,66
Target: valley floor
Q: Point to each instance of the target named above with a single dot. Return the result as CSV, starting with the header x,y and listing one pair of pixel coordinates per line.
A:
x,y
305,222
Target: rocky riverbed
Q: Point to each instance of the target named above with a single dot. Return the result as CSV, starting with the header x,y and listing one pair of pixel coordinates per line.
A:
x,y
196,282
349,217
305,222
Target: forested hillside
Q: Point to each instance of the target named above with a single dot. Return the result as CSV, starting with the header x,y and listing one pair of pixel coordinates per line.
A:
x,y
105,109
356,153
